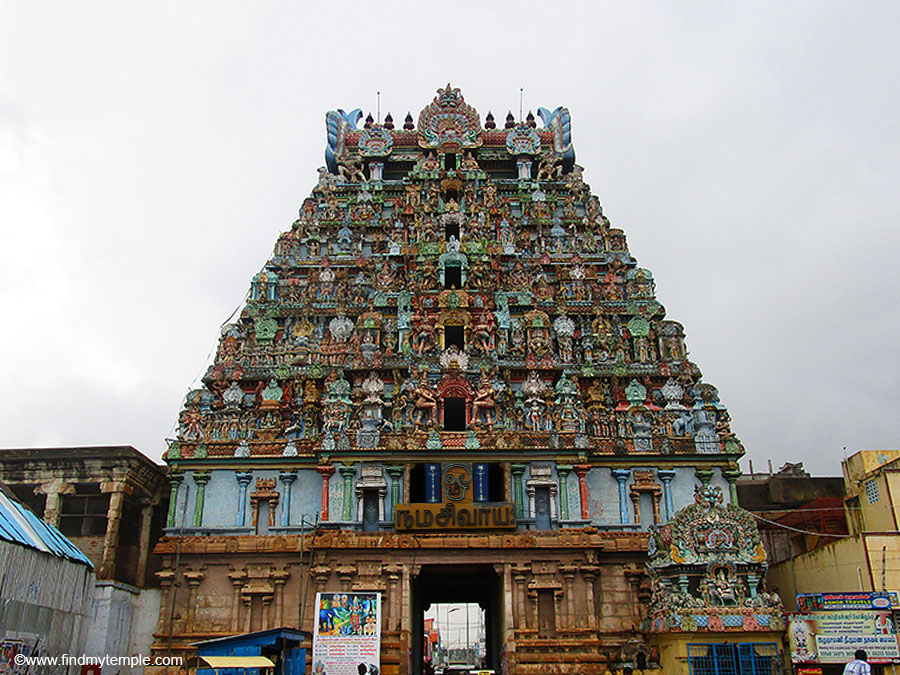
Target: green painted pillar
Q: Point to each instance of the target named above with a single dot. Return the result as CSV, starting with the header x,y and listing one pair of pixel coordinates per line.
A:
x,y
201,479
563,470
174,483
517,471
731,475
704,475
348,472
396,473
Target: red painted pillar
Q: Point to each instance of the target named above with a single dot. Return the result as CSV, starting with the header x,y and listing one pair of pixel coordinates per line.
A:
x,y
326,472
581,471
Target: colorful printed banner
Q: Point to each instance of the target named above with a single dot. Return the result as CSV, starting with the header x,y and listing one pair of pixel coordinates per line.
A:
x,y
819,602
833,636
348,633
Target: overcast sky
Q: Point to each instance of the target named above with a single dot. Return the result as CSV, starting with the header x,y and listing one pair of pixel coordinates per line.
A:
x,y
151,153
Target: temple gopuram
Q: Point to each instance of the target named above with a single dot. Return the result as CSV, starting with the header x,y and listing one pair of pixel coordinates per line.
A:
x,y
452,382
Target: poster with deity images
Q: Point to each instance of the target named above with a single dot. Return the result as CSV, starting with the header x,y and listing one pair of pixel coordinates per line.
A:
x,y
833,636
347,634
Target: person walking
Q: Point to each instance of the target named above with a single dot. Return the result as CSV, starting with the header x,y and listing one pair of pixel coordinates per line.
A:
x,y
859,665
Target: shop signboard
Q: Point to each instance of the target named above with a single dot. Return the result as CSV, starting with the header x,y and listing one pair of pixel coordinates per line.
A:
x,y
347,634
824,602
833,636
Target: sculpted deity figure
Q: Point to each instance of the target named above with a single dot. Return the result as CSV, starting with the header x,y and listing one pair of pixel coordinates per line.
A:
x,y
484,400
424,333
425,403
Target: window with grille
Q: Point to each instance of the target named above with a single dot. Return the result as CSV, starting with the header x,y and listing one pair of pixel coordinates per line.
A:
x,y
734,659
872,491
83,514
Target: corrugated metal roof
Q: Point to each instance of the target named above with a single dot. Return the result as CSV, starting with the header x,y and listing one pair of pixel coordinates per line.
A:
x,y
21,526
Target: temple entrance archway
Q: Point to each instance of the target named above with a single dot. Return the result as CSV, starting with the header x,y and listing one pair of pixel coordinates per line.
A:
x,y
458,584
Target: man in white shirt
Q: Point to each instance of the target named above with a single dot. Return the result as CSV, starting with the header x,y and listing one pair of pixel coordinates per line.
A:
x,y
859,665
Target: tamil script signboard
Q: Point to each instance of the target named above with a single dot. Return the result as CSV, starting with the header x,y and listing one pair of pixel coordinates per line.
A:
x,y
455,516
822,602
833,636
347,634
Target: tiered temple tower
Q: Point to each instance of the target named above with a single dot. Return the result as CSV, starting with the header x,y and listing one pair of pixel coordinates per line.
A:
x,y
450,382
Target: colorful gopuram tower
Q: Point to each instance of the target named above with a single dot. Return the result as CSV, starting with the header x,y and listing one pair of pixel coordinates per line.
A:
x,y
451,382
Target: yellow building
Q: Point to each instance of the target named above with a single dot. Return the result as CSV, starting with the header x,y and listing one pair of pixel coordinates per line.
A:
x,y
868,559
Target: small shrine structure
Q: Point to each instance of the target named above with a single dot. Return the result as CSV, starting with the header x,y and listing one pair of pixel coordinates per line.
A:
x,y
709,605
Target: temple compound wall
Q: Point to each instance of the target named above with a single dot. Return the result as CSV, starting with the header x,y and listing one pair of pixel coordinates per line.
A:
x,y
451,383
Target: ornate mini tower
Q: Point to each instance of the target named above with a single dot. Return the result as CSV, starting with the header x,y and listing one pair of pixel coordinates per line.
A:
x,y
452,382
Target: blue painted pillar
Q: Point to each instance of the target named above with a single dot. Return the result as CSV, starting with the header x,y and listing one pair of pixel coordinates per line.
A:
x,y
621,475
666,476
433,483
243,480
287,477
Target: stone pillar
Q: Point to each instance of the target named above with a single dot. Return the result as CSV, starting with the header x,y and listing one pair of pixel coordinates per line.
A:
x,y
704,475
243,480
326,472
53,490
348,472
193,580
568,575
288,478
144,545
589,573
517,471
666,476
116,492
394,572
174,483
621,475
166,577
201,479
731,475
395,472
519,575
563,471
581,471
237,582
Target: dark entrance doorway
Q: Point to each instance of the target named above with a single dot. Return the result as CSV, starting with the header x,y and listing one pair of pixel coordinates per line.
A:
x,y
459,585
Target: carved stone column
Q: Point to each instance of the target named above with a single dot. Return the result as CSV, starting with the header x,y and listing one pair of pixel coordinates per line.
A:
x,y
193,579
394,572
238,578
346,573
116,492
144,543
279,579
520,576
581,471
53,490
704,475
563,470
166,578
201,479
589,573
326,472
568,574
